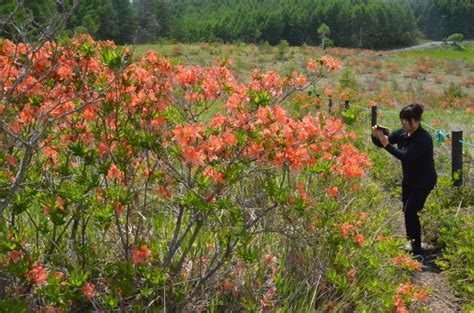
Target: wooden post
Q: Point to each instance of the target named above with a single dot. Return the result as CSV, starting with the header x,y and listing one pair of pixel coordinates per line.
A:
x,y
374,115
456,157
347,104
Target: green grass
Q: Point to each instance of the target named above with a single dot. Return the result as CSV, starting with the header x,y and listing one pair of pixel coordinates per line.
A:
x,y
447,53
141,49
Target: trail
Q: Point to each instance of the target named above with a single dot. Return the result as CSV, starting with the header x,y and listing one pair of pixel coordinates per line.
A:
x,y
442,298
428,45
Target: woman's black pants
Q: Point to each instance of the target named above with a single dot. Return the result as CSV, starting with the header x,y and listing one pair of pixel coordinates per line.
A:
x,y
413,200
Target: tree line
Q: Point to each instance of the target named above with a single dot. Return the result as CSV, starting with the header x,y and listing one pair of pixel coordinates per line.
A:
x,y
375,24
438,19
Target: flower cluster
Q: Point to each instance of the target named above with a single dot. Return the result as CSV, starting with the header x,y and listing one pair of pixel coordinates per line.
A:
x,y
409,262
408,293
139,255
37,274
348,229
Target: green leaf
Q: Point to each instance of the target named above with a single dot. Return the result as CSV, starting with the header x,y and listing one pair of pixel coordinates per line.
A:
x,y
78,149
146,292
261,98
173,115
77,278
111,302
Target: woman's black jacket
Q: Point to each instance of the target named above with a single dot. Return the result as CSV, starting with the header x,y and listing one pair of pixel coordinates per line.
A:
x,y
416,154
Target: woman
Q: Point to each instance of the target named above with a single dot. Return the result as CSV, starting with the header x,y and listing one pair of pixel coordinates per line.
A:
x,y
415,151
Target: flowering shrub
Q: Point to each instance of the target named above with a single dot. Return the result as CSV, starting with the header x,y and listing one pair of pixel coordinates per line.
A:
x,y
142,183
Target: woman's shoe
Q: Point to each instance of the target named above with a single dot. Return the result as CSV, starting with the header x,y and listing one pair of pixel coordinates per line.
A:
x,y
410,247
415,250
406,247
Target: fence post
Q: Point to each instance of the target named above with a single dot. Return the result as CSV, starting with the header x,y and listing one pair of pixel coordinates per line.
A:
x,y
456,157
374,115
347,104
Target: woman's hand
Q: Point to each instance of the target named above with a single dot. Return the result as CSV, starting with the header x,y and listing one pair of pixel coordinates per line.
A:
x,y
380,135
382,138
375,131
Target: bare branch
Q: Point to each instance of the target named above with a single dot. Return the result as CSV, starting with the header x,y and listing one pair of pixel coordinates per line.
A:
x,y
25,162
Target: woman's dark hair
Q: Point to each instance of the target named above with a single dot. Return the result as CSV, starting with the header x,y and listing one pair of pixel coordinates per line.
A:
x,y
412,112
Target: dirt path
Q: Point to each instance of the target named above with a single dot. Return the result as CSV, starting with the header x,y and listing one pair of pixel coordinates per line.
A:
x,y
442,297
428,45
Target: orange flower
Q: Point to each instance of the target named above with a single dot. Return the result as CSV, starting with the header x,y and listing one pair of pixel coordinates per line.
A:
x,y
209,246
15,255
345,229
304,196
103,148
217,121
118,207
26,115
88,290
139,256
331,63
114,172
11,160
408,262
262,115
227,285
435,122
164,193
229,139
405,289
359,238
193,156
269,259
89,113
46,209
332,191
60,203
148,172
351,274
215,143
328,92
254,150
312,65
400,306
188,133
421,295
51,153
58,275
65,72
37,274
157,123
